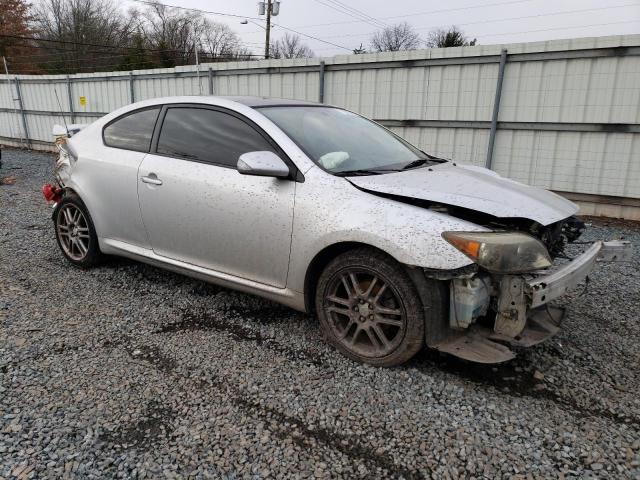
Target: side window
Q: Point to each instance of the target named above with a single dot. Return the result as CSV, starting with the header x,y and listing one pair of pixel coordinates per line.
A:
x,y
133,131
208,135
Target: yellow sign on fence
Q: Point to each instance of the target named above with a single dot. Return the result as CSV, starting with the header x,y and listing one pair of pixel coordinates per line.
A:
x,y
83,101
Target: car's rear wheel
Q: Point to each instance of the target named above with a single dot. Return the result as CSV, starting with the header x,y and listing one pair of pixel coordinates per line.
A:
x,y
369,309
75,232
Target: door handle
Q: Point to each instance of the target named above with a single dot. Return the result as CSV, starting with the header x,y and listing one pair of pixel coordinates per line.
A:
x,y
152,179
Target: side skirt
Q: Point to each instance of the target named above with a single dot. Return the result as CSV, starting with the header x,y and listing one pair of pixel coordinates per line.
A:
x,y
285,296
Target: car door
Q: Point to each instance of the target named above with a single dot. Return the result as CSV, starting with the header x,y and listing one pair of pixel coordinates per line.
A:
x,y
196,206
110,175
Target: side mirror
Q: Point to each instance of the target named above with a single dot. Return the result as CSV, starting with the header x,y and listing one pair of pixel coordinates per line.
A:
x,y
262,164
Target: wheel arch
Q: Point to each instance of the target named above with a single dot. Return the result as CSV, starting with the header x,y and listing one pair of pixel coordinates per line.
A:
x,y
69,190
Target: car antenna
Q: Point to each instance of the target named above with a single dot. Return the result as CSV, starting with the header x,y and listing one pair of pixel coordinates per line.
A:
x,y
61,112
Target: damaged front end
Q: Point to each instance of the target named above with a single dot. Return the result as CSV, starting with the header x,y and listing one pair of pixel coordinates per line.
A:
x,y
493,307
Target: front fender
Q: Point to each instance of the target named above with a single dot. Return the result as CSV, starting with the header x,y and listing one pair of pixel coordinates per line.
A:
x,y
329,210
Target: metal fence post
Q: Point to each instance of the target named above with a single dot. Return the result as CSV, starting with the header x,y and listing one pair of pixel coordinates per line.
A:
x,y
496,108
70,94
132,95
321,87
210,81
24,116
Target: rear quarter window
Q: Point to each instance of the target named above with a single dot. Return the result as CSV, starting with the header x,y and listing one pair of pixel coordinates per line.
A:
x,y
132,131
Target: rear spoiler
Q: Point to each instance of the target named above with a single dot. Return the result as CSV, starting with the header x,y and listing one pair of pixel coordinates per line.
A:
x,y
67,131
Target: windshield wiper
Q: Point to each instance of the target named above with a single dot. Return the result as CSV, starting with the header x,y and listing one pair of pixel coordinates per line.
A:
x,y
421,161
415,163
363,171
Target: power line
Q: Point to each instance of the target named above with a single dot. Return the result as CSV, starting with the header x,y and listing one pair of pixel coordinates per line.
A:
x,y
242,16
312,37
114,56
445,10
151,3
566,12
351,12
97,45
557,28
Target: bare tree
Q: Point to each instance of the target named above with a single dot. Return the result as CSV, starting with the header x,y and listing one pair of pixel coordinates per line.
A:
x,y
94,34
401,36
218,40
171,33
78,26
290,46
175,35
451,37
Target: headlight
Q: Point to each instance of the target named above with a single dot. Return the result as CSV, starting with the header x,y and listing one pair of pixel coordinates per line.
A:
x,y
501,252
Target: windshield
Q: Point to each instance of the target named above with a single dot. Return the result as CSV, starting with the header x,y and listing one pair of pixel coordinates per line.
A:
x,y
341,141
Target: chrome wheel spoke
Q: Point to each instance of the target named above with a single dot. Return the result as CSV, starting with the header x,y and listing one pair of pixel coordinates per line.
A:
x,y
388,311
82,247
347,287
345,332
67,216
352,342
339,300
372,284
355,283
380,334
341,311
383,289
389,321
375,342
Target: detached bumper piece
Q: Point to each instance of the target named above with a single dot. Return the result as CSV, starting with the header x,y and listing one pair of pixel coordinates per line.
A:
x,y
524,319
483,345
546,288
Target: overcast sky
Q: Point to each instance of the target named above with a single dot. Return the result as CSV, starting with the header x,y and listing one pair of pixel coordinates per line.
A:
x,y
490,21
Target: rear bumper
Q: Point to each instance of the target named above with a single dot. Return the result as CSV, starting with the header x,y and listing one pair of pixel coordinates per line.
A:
x,y
523,318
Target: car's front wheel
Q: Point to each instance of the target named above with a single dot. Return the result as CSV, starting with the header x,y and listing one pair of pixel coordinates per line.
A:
x,y
369,308
75,232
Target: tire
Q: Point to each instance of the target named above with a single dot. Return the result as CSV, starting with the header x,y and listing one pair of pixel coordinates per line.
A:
x,y
75,232
364,295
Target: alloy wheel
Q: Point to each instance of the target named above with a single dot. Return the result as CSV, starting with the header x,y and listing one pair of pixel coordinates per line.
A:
x,y
365,312
73,231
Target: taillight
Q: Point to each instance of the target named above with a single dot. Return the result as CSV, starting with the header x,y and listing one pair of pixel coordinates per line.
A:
x,y
51,193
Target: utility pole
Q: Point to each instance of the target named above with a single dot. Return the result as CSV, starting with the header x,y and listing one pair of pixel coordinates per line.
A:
x,y
266,42
270,8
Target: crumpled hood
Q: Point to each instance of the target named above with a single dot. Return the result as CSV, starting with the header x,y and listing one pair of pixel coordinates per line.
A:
x,y
474,188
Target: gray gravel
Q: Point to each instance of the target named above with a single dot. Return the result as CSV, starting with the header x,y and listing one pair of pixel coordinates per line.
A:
x,y
129,371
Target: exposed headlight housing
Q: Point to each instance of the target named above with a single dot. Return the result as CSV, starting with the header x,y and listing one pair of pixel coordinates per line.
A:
x,y
501,252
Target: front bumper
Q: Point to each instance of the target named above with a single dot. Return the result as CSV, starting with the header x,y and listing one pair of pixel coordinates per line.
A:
x,y
545,288
523,317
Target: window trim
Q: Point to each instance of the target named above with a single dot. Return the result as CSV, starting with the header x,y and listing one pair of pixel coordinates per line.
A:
x,y
127,114
294,172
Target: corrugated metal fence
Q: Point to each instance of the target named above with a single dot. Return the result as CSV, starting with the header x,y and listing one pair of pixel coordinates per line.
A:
x,y
563,115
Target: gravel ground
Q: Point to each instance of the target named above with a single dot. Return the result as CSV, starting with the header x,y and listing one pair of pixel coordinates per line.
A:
x,y
129,371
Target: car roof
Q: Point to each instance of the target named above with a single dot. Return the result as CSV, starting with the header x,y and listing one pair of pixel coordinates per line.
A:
x,y
257,102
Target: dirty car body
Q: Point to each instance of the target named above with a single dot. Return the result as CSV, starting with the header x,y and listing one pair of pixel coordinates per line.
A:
x,y
323,210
